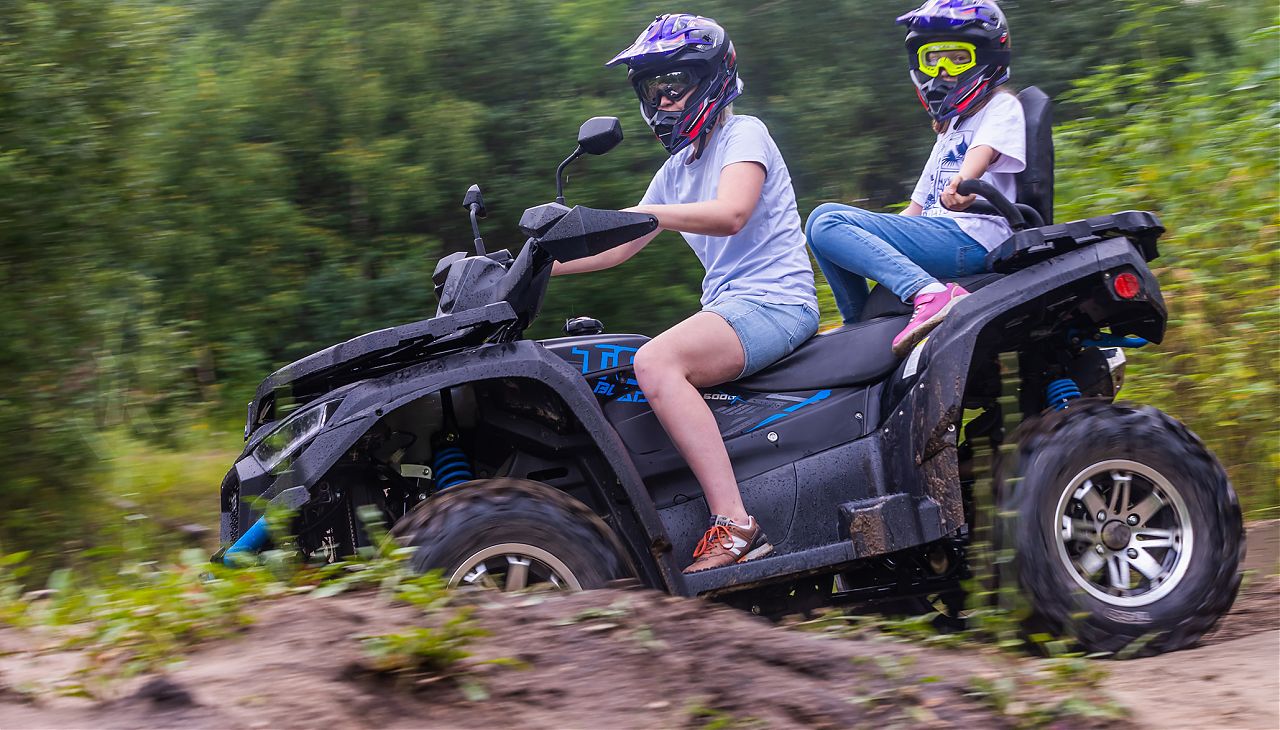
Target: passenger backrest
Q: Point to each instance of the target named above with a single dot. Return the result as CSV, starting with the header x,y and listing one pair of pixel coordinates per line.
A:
x,y
1035,184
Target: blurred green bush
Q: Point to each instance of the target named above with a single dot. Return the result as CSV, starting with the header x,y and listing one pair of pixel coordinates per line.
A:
x,y
1199,146
195,193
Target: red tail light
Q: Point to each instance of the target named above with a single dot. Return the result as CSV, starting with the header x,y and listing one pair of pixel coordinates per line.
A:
x,y
1126,285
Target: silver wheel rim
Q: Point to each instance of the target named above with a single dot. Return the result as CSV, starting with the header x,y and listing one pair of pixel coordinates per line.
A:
x,y
514,566
1123,533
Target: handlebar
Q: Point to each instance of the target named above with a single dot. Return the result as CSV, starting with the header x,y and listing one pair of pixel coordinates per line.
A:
x,y
998,201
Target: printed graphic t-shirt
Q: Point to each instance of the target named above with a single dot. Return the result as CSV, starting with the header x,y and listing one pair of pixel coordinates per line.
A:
x,y
767,259
999,125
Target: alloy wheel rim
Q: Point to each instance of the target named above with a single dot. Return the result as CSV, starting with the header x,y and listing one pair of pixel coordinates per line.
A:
x,y
1123,532
514,566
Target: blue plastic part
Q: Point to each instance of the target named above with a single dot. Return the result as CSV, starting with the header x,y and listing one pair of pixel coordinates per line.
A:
x,y
1115,341
1060,392
252,541
451,467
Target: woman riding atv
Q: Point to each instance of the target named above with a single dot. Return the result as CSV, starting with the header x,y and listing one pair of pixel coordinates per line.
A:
x,y
726,189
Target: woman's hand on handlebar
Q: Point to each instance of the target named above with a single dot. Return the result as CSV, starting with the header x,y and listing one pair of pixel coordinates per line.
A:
x,y
608,259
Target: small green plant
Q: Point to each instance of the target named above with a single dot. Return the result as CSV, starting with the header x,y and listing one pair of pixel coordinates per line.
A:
x,y
710,718
13,609
431,651
151,614
383,562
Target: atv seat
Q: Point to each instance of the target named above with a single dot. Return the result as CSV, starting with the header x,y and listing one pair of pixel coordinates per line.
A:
x,y
853,354
849,355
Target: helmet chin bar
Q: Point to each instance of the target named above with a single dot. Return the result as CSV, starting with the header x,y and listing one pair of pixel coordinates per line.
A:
x,y
668,127
943,97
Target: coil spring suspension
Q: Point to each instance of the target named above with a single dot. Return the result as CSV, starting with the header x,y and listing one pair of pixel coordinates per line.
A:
x,y
1061,392
451,467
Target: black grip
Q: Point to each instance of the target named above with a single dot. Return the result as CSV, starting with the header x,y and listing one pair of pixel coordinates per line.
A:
x,y
993,196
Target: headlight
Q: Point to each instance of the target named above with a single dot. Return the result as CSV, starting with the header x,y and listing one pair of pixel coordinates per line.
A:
x,y
295,431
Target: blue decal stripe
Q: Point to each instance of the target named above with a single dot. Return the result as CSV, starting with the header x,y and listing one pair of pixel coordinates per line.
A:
x,y
820,395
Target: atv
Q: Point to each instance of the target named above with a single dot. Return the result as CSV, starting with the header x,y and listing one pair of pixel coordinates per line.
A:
x,y
508,462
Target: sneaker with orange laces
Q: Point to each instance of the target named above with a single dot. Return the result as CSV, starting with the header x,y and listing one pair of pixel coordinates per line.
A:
x,y
930,310
727,542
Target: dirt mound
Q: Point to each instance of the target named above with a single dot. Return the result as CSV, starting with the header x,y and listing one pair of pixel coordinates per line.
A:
x,y
606,658
635,658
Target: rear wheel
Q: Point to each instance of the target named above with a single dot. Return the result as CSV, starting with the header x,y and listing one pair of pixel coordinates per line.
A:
x,y
1127,533
511,534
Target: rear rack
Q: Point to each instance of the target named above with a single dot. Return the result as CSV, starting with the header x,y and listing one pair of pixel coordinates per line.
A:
x,y
1034,245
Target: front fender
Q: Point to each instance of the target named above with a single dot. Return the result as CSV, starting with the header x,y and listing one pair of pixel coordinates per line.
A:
x,y
365,402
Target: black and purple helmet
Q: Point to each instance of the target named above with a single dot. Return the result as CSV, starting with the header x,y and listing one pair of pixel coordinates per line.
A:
x,y
682,56
941,33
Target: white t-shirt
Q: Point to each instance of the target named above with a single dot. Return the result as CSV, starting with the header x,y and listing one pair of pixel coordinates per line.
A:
x,y
999,125
767,259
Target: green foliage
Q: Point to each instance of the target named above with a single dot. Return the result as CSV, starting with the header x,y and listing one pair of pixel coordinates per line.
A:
x,y
148,615
422,650
1199,147
196,193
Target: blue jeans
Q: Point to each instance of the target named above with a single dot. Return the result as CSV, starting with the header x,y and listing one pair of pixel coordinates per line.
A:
x,y
902,252
768,332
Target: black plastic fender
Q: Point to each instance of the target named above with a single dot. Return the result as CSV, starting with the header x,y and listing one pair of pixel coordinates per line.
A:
x,y
920,432
365,402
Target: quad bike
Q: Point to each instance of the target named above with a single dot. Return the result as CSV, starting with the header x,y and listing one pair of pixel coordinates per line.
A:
x,y
509,462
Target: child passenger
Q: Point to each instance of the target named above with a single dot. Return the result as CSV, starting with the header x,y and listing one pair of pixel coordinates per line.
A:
x,y
959,56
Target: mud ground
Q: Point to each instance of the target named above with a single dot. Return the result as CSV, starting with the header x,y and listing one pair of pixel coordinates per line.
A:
x,y
1232,680
638,659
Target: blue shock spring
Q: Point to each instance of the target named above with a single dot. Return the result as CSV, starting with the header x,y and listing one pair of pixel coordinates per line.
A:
x,y
1061,392
451,467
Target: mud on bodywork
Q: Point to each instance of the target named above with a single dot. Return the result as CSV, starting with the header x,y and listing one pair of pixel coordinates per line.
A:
x,y
920,432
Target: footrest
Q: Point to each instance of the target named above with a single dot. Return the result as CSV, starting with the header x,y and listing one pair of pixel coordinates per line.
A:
x,y
883,525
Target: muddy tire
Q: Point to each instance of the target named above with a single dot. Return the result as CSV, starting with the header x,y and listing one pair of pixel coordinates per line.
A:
x,y
510,534
1127,533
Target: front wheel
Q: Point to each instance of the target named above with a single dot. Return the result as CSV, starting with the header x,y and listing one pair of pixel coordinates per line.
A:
x,y
511,534
1127,533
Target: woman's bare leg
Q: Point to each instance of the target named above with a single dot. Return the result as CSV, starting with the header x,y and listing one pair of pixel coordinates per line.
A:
x,y
701,351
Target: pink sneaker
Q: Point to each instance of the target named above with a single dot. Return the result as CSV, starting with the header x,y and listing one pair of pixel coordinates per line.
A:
x,y
931,309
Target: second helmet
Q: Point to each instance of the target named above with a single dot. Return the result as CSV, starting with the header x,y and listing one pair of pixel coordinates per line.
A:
x,y
939,28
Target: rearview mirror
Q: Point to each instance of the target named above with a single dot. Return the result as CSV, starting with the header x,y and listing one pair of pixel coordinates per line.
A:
x,y
598,135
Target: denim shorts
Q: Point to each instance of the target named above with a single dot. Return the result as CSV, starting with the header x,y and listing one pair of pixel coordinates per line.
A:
x,y
768,332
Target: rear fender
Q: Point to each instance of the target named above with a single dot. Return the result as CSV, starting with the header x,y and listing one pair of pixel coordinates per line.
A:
x,y
920,432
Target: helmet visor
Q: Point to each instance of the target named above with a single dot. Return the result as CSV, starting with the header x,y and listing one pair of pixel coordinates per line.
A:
x,y
949,14
674,85
954,57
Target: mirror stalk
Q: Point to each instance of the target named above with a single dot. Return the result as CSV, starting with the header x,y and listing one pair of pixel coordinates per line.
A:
x,y
560,173
475,229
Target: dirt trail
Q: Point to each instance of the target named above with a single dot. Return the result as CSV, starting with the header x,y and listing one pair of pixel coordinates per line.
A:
x,y
638,659
625,659
1233,679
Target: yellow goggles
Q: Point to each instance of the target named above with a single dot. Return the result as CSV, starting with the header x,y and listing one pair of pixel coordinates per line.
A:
x,y
954,57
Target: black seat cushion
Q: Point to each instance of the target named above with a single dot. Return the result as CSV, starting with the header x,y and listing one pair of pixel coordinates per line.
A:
x,y
883,303
852,354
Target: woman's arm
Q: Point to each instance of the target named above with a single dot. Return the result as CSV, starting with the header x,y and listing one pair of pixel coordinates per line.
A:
x,y
610,258
913,209
736,197
976,162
